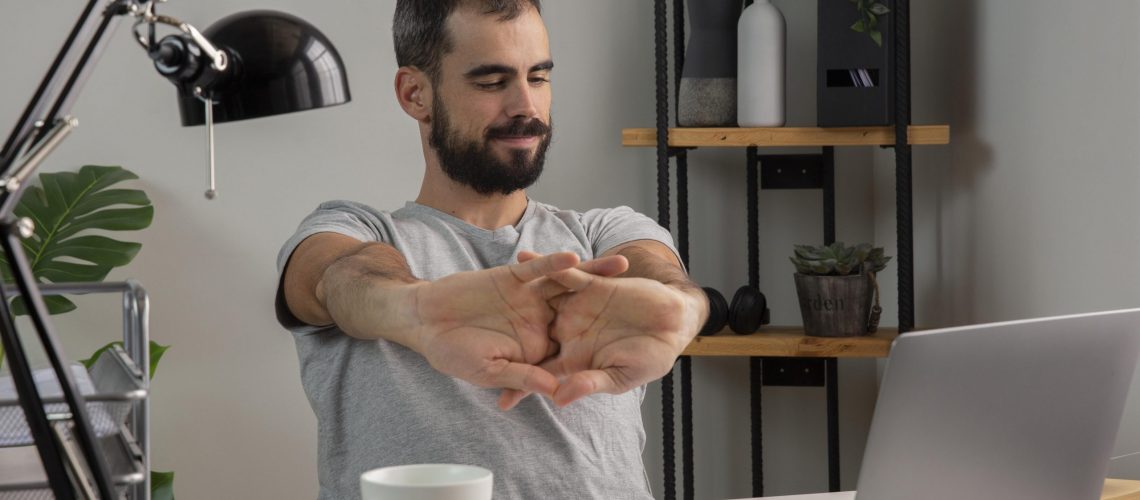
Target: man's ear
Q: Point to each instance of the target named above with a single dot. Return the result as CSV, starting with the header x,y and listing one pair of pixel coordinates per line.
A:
x,y
413,90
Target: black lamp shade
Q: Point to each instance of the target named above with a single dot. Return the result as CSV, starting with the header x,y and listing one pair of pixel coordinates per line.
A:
x,y
278,64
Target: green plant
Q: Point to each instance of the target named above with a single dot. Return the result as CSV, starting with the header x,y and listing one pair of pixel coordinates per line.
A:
x,y
838,259
64,204
65,207
869,12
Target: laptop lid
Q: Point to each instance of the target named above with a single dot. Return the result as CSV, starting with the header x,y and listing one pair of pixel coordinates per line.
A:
x,y
1020,409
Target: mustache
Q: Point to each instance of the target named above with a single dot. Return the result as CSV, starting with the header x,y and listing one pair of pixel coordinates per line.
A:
x,y
520,127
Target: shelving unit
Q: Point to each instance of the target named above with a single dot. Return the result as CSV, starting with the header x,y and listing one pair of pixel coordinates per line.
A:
x,y
786,136
781,355
790,341
117,406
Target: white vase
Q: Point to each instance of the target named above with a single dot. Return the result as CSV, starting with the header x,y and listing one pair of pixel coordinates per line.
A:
x,y
760,66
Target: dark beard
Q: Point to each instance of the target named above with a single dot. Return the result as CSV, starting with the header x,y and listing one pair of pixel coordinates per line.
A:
x,y
474,164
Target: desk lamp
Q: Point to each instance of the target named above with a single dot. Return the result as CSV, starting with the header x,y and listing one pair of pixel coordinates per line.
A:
x,y
248,65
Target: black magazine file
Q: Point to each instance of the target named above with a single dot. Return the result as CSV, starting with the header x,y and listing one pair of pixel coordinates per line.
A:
x,y
843,97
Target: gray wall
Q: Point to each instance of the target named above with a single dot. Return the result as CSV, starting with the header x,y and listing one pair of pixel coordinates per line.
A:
x,y
1028,212
1031,210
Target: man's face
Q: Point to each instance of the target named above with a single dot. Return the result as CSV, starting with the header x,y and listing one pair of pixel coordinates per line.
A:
x,y
490,123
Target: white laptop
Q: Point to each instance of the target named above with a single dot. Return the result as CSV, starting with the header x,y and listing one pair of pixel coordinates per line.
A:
x,y
1022,409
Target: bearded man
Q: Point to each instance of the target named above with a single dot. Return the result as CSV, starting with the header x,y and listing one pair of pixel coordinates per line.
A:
x,y
476,325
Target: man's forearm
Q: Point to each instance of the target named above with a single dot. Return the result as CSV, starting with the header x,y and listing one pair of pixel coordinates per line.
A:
x,y
644,263
371,294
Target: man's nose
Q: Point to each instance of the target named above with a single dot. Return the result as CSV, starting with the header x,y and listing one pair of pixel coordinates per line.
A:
x,y
521,101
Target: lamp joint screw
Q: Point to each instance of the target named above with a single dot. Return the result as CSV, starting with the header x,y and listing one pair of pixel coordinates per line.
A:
x,y
26,227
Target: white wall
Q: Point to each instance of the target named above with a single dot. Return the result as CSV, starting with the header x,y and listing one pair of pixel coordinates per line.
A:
x,y
1031,210
1028,212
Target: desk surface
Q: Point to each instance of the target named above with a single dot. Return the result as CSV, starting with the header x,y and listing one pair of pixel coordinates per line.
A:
x,y
1114,489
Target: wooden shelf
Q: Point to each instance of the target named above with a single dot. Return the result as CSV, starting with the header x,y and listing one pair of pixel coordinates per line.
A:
x,y
790,341
1120,489
786,136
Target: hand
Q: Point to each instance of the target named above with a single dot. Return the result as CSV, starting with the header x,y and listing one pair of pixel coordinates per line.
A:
x,y
489,327
617,333
606,266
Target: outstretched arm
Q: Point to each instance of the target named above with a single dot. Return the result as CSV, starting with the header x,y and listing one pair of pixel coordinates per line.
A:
x,y
365,288
487,327
653,260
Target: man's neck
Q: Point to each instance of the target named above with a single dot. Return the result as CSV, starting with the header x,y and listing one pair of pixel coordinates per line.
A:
x,y
487,212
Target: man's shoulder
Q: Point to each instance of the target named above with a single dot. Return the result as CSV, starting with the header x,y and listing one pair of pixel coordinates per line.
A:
x,y
589,213
355,210
349,206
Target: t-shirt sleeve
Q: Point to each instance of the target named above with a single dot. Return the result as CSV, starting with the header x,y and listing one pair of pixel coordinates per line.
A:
x,y
607,228
342,217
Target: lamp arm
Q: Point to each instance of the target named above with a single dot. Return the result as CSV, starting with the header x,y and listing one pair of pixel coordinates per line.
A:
x,y
37,154
40,133
67,73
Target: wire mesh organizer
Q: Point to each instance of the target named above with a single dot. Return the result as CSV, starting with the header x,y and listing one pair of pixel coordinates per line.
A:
x,y
115,390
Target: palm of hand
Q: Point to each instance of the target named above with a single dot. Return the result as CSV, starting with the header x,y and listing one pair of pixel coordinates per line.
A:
x,y
616,334
488,328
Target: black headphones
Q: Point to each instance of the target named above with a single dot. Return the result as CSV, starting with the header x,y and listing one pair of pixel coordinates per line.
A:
x,y
748,311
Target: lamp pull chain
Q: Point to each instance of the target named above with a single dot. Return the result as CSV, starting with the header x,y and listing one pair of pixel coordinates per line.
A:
x,y
212,192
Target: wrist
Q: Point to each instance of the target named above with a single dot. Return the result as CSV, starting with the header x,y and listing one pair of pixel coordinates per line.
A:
x,y
369,309
699,302
406,326
696,306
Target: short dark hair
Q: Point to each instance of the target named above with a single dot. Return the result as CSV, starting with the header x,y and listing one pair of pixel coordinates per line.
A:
x,y
419,28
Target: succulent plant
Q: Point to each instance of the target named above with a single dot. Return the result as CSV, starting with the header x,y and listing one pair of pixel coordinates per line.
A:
x,y
838,259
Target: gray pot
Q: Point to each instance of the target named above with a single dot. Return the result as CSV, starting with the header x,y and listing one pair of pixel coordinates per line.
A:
x,y
835,306
707,94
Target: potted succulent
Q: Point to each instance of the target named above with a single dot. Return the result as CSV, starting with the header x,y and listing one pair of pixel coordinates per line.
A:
x,y
836,284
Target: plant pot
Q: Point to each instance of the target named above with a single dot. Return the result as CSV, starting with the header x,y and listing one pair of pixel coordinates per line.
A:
x,y
835,306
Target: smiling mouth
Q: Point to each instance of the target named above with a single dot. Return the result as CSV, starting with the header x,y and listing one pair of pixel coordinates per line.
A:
x,y
518,141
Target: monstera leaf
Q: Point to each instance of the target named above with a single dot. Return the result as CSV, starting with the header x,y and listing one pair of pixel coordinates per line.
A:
x,y
66,207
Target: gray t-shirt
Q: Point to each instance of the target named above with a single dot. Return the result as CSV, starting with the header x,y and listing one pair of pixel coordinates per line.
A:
x,y
378,403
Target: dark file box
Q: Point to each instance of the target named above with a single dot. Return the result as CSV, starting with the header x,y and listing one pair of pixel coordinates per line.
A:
x,y
854,78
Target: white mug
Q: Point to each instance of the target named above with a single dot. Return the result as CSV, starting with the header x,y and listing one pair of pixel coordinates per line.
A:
x,y
427,482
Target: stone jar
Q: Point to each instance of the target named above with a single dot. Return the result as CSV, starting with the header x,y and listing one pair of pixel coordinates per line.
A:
x,y
707,96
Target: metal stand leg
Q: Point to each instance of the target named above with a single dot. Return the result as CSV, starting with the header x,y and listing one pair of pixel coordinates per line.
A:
x,y
831,365
832,424
30,401
904,223
662,95
686,361
81,429
687,427
756,370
